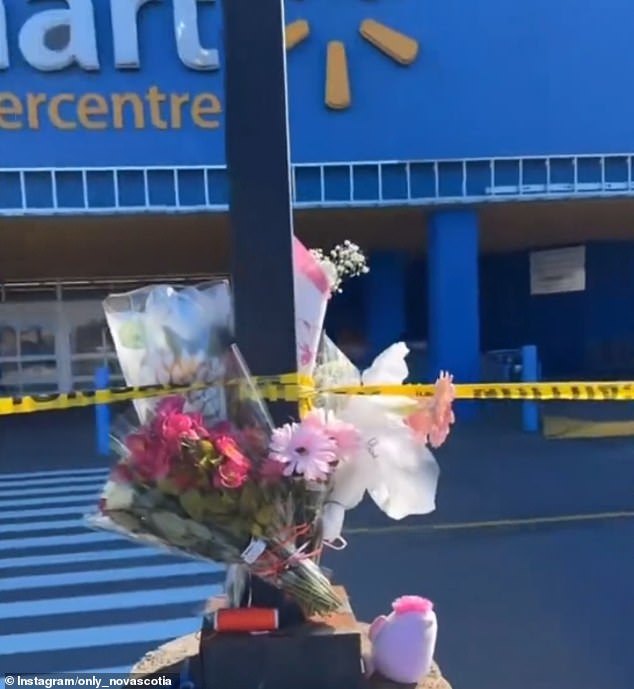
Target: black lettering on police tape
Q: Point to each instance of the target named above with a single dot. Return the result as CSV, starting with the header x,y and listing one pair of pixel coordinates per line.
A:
x,y
575,393
79,395
43,398
147,389
607,391
556,392
120,390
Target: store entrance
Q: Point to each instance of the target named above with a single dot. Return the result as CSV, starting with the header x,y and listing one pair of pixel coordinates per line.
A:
x,y
51,346
54,336
30,348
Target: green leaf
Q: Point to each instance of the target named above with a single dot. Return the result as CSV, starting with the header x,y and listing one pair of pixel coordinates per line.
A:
x,y
173,528
149,498
132,336
249,499
194,504
126,520
169,488
266,515
198,531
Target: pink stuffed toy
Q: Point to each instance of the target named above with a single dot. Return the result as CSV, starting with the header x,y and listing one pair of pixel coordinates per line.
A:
x,y
403,643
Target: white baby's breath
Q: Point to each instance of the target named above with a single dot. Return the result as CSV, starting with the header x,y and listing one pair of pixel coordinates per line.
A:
x,y
341,262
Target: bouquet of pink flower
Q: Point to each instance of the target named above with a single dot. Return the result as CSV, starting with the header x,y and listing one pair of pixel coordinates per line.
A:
x,y
235,491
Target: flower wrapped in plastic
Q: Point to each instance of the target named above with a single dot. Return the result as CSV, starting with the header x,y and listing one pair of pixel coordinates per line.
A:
x,y
166,335
230,490
393,462
333,370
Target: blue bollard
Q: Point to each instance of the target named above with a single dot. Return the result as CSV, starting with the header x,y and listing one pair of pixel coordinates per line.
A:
x,y
530,374
102,413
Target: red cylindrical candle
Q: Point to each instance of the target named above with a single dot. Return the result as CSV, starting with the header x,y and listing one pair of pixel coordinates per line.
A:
x,y
246,620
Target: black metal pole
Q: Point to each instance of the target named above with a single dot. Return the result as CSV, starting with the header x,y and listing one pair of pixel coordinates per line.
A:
x,y
257,151
260,208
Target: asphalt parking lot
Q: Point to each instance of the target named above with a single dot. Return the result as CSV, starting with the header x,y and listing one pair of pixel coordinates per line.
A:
x,y
526,604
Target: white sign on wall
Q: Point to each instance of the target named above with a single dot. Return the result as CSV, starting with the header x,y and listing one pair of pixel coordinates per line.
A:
x,y
558,270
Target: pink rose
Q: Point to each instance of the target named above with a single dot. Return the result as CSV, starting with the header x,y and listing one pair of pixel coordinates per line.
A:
x,y
227,446
235,467
170,405
199,424
176,428
150,458
232,473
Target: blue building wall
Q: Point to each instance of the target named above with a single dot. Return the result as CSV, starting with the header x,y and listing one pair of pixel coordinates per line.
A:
x,y
492,78
588,333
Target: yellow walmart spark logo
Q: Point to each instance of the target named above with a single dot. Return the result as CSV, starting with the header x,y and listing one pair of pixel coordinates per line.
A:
x,y
395,45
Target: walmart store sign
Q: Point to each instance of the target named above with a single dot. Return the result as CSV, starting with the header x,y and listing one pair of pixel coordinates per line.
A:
x,y
57,39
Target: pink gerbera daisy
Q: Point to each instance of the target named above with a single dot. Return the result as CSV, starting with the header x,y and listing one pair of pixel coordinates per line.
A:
x,y
345,436
303,450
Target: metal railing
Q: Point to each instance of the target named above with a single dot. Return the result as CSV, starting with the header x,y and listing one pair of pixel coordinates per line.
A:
x,y
137,189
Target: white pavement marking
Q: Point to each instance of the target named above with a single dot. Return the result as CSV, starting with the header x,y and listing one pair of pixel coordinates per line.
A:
x,y
57,501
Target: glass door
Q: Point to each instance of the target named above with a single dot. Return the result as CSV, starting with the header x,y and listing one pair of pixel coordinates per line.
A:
x,y
91,346
29,350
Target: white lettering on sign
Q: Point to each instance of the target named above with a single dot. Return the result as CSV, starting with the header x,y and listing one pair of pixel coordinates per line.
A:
x,y
52,40
192,54
4,48
125,32
76,25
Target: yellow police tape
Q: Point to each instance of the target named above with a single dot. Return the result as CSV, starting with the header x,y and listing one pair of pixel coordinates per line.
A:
x,y
292,387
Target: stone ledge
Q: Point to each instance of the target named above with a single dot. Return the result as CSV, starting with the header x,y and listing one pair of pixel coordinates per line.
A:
x,y
170,658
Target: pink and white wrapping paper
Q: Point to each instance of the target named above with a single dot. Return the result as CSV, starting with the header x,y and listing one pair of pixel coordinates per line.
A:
x,y
312,291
